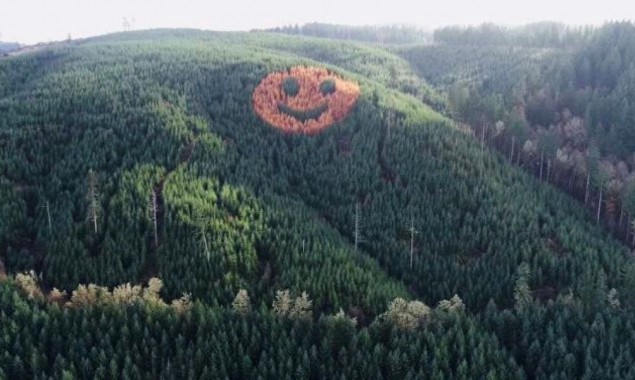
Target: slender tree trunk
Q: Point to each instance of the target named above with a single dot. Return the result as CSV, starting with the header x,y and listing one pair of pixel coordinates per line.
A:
x,y
619,223
48,216
548,169
200,232
153,208
511,155
586,190
488,133
412,241
482,149
204,238
599,207
389,125
412,248
92,196
541,158
356,226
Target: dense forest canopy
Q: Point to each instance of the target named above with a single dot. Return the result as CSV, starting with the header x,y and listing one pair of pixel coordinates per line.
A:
x,y
394,34
153,225
541,34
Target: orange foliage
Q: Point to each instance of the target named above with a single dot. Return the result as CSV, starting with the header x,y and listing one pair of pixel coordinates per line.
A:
x,y
269,96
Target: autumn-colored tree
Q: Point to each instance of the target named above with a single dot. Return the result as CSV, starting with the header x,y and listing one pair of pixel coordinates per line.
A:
x,y
304,99
406,315
242,303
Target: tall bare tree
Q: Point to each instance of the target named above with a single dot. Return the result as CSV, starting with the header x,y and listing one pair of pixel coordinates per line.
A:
x,y
153,210
93,199
357,231
201,224
412,231
47,207
586,190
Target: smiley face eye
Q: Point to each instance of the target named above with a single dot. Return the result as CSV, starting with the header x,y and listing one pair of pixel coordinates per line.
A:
x,y
290,86
327,87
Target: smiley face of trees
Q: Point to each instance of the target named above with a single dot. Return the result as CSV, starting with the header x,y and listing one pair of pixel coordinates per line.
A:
x,y
304,100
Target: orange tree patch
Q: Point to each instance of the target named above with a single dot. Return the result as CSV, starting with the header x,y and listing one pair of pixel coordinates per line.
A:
x,y
304,99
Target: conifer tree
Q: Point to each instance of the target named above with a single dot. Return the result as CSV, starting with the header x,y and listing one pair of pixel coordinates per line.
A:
x,y
302,308
242,303
522,292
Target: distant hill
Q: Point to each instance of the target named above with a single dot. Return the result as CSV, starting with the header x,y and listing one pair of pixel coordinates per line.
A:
x,y
6,47
395,34
540,34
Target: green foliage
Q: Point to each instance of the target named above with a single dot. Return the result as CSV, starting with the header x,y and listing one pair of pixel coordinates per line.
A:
x,y
570,88
327,87
290,86
167,115
140,342
407,315
522,293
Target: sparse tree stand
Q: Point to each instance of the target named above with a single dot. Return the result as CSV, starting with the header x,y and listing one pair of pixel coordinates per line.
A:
x,y
93,201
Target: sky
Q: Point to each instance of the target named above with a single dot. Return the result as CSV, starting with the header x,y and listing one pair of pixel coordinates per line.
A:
x,y
32,21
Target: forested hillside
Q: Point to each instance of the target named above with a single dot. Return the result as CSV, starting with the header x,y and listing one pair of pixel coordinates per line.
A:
x,y
553,99
154,224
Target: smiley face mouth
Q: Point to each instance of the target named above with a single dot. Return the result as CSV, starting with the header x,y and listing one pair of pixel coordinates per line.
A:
x,y
304,115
